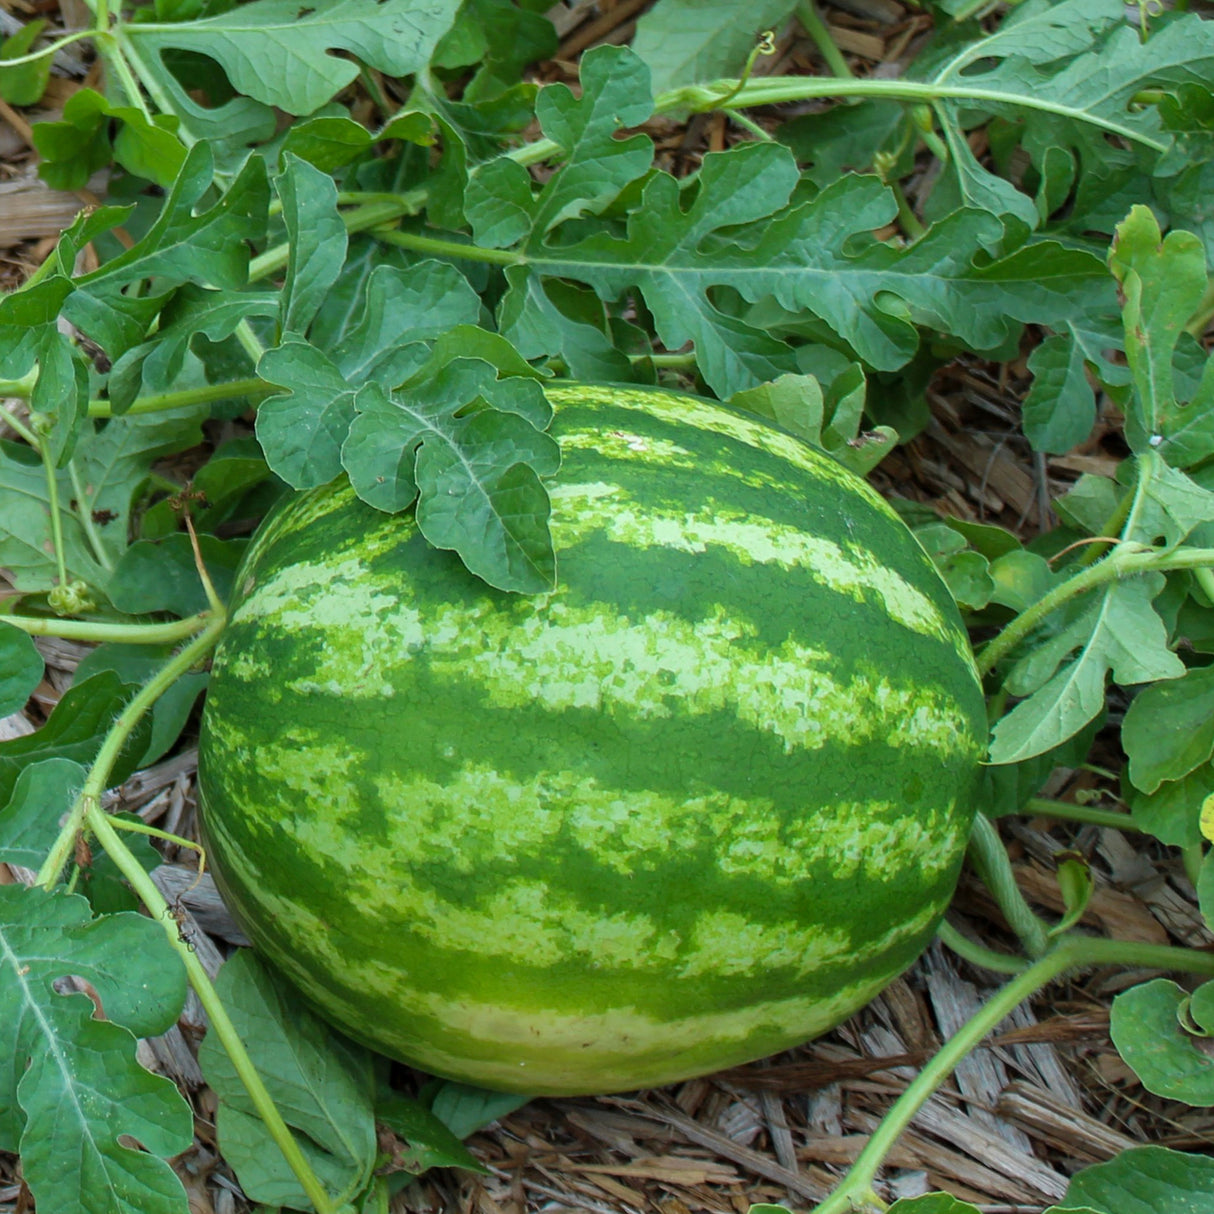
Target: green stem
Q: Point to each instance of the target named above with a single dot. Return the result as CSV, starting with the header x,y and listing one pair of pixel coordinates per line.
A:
x,y
1069,812
1071,951
98,631
152,832
52,494
88,803
779,90
87,813
383,210
812,23
16,424
85,517
185,398
1192,857
978,954
989,857
437,247
1126,560
49,49
220,1023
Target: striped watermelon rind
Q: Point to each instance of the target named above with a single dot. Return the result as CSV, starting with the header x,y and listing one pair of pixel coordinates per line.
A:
x,y
698,804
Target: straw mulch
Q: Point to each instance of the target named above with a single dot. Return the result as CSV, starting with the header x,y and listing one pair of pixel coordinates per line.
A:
x,y
1045,1096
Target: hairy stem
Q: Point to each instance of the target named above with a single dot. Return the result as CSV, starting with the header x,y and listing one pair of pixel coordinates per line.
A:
x,y
1126,560
221,1025
100,631
449,248
1071,951
185,398
989,857
978,954
89,800
85,516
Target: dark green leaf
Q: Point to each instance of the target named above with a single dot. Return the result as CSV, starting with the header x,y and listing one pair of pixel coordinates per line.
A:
x,y
71,1086
162,576
322,1084
475,471
698,41
41,794
21,668
464,1109
138,664
1143,1180
1147,1029
426,1142
209,247
75,730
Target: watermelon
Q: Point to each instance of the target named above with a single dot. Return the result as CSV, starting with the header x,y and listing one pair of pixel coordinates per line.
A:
x,y
696,805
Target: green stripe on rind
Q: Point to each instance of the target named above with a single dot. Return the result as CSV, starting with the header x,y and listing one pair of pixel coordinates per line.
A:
x,y
681,723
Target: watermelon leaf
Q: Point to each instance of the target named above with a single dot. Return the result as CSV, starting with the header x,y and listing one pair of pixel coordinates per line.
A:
x,y
1141,1180
72,1085
281,53
42,793
209,247
323,1085
474,468
386,340
1117,630
21,667
691,41
317,239
1168,730
74,730
1154,1033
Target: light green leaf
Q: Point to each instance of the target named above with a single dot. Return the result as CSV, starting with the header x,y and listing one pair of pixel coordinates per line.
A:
x,y
1168,730
1116,630
1162,281
1168,504
71,1087
322,1084
932,1203
698,41
317,241
281,53
25,83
